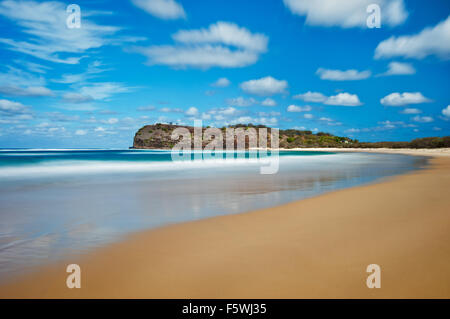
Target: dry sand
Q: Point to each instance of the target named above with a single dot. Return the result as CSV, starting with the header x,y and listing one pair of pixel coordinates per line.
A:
x,y
318,247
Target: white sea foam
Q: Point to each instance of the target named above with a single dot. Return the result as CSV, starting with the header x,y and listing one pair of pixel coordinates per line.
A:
x,y
55,149
91,167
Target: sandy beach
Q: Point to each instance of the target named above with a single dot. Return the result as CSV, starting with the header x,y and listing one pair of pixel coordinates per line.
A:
x,y
313,248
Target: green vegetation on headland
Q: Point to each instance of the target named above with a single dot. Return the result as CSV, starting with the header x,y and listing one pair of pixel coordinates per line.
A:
x,y
158,136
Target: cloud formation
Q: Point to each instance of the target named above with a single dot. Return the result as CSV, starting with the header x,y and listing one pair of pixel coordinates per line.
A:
x,y
411,111
221,83
338,75
241,101
49,38
340,99
344,99
296,108
163,9
309,96
406,98
430,41
346,14
399,68
264,86
223,44
11,108
269,102
423,119
446,111
16,82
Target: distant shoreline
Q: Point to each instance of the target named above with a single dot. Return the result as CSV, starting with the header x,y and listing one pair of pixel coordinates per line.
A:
x,y
405,151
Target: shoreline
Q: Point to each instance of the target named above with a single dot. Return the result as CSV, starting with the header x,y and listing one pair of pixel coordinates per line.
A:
x,y
320,248
404,151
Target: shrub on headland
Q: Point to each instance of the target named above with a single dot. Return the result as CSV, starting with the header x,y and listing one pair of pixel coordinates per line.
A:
x,y
426,142
159,136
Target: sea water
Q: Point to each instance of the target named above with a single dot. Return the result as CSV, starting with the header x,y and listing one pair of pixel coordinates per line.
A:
x,y
56,204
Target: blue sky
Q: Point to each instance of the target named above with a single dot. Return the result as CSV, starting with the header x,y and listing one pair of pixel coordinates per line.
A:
x,y
285,63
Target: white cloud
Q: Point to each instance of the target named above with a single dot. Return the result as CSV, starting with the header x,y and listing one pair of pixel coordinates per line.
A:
x,y
110,121
60,117
70,106
264,86
221,83
430,41
206,116
222,113
446,111
308,116
338,75
228,111
171,110
223,44
411,111
76,97
388,125
28,91
146,108
273,113
269,102
16,82
422,119
401,99
49,38
203,57
253,120
343,99
330,121
309,96
353,130
231,115
33,67
399,68
81,132
92,69
296,108
9,108
192,111
102,90
241,101
70,78
224,33
346,14
163,9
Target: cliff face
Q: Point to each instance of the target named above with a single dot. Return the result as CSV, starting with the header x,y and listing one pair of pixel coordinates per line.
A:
x,y
158,136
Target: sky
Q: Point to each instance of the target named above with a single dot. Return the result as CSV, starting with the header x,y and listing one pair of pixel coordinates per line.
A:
x,y
92,80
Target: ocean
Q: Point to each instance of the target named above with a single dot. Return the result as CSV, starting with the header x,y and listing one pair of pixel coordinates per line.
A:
x,y
56,204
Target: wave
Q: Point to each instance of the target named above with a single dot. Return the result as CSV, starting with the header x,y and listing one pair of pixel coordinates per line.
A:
x,y
89,167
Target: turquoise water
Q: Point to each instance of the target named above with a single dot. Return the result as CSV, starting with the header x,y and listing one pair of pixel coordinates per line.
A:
x,y
56,204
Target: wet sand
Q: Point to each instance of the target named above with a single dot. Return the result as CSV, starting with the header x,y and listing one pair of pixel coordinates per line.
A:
x,y
314,248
